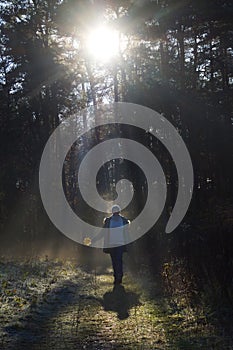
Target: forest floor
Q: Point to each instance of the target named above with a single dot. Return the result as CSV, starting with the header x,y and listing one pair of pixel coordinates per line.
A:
x,y
58,305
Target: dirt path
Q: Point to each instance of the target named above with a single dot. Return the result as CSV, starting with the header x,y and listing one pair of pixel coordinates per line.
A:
x,y
56,305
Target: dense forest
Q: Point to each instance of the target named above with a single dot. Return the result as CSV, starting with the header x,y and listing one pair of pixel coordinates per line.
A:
x,y
175,57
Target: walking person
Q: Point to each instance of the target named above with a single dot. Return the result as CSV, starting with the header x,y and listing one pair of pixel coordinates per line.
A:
x,y
115,241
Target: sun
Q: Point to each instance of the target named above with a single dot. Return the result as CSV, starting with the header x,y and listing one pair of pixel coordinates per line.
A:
x,y
102,43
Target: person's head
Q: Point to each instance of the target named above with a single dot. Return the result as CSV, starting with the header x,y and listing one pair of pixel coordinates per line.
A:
x,y
116,209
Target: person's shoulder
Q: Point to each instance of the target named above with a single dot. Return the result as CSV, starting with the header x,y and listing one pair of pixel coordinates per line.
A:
x,y
125,220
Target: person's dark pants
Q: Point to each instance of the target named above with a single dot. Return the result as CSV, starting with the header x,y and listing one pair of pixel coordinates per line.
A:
x,y
117,263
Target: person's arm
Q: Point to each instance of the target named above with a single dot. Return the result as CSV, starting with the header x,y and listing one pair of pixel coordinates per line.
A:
x,y
102,232
126,222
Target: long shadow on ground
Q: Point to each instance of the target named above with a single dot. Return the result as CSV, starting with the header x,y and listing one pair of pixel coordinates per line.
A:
x,y
120,301
44,326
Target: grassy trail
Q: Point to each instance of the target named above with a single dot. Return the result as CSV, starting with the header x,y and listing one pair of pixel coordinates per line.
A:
x,y
55,305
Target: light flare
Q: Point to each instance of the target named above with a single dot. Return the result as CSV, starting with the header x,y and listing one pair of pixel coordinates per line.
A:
x,y
102,43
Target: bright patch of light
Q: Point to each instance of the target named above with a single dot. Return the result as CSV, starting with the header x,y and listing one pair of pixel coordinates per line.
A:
x,y
103,43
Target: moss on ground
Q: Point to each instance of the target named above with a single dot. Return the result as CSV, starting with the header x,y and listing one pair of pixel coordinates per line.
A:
x,y
58,305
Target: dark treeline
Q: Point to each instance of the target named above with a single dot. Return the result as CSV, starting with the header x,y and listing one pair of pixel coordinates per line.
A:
x,y
177,59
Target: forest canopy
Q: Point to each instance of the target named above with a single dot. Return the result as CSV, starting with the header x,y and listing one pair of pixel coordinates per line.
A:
x,y
58,57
